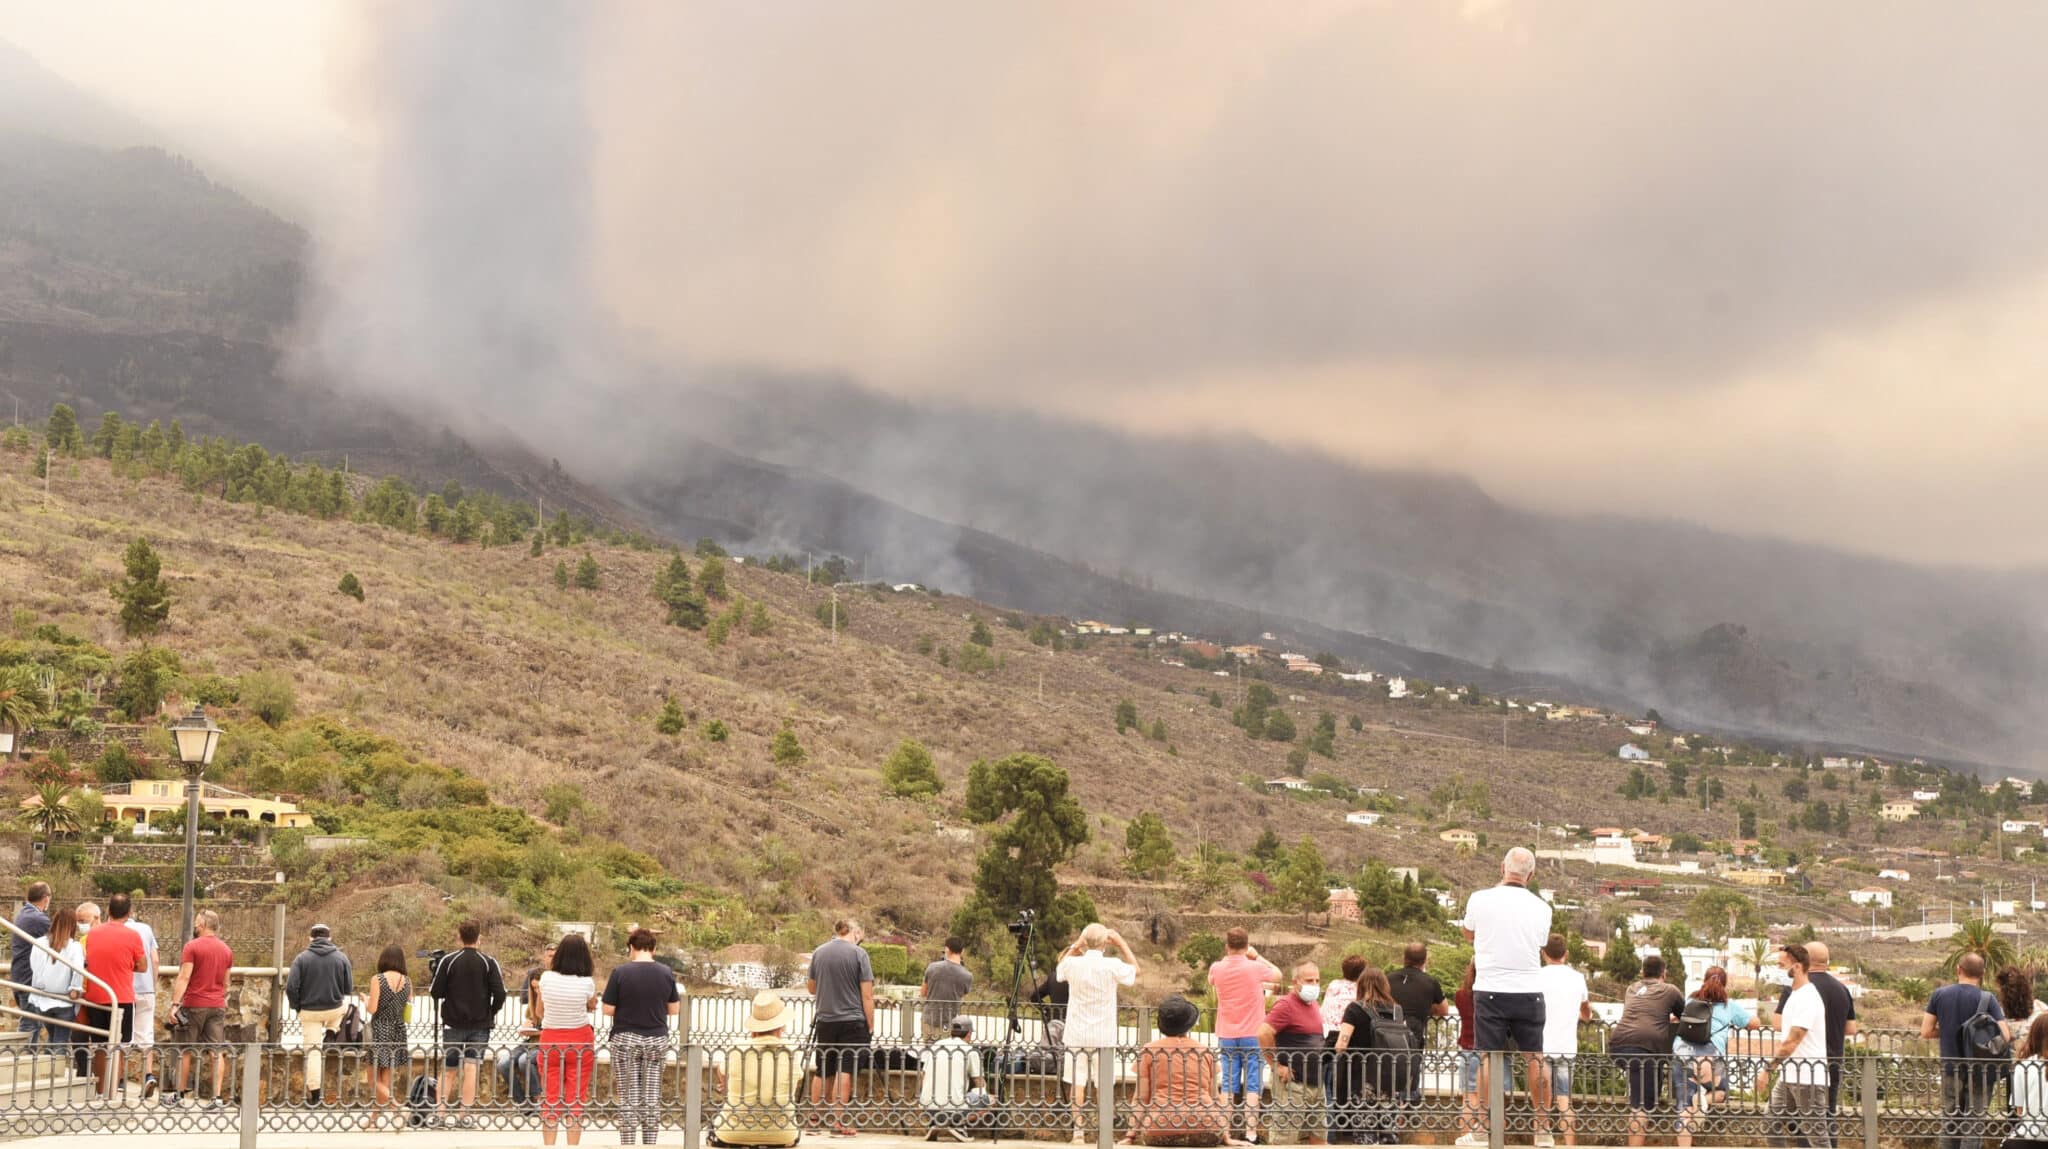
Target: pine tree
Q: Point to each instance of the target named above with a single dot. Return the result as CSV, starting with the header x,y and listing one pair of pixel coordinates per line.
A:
x,y
980,635
909,772
711,578
561,575
1279,727
758,622
107,435
535,549
1158,732
1148,848
787,751
351,586
1304,886
62,435
1016,869
1126,715
672,586
586,573
671,720
145,600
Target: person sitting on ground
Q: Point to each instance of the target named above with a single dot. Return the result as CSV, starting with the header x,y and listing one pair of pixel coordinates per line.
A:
x,y
759,1081
954,1094
1176,1102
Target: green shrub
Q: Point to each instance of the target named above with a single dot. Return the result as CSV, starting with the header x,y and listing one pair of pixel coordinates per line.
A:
x,y
715,731
111,882
909,772
787,751
117,765
270,696
891,963
351,586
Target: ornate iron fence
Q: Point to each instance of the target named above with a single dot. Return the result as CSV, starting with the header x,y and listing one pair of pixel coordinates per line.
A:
x,y
761,1090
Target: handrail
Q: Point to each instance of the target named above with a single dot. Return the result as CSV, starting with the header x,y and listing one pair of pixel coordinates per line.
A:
x,y
113,998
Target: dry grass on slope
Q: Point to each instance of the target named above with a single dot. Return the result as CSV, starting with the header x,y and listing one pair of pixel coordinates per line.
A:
x,y
476,659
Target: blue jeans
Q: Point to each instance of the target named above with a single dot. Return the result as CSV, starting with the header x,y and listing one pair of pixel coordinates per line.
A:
x,y
52,1034
519,1067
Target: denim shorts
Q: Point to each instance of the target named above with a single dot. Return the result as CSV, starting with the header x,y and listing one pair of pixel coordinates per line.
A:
x,y
1685,1071
1560,1076
459,1045
1242,1066
1468,1070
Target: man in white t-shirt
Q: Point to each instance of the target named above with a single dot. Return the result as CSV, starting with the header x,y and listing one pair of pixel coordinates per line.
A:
x,y
953,1092
1565,1004
1799,1096
1092,978
1508,926
145,1009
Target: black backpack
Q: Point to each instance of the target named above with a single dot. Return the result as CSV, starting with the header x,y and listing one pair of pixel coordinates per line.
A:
x,y
1696,1023
1983,1036
1390,1032
420,1100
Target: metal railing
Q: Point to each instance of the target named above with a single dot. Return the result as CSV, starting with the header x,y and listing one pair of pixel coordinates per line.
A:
x,y
1163,1091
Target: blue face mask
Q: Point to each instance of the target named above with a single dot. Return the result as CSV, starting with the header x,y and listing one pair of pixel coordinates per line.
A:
x,y
1310,992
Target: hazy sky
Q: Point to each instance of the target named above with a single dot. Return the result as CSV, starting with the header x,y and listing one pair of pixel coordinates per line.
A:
x,y
1770,267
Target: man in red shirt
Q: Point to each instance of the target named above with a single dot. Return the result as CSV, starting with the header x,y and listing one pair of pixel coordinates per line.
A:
x,y
114,954
1293,1030
200,996
1240,980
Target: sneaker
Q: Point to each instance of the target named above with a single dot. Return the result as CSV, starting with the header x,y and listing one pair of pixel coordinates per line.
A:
x,y
172,1101
462,1123
1545,1141
312,1097
1469,1139
960,1135
149,1086
216,1103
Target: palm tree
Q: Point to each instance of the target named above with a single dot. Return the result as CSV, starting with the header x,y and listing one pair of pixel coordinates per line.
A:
x,y
53,813
22,700
1758,952
1979,938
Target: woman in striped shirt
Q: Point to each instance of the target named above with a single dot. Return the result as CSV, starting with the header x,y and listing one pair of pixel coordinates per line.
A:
x,y
568,994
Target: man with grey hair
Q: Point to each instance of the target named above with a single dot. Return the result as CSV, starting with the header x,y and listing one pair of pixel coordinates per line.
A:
x,y
1508,926
1092,976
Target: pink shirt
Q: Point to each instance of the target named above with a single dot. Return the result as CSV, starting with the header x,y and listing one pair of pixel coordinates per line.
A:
x,y
1240,994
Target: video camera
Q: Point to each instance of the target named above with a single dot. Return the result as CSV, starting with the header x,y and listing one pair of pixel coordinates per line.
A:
x,y
434,960
1022,927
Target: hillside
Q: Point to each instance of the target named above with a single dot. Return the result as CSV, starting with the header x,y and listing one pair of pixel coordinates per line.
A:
x,y
472,659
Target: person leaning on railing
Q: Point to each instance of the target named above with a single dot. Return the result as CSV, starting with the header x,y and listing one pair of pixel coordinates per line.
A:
x,y
56,962
1699,1079
2029,1089
1798,1071
1176,1102
640,997
758,1080
568,995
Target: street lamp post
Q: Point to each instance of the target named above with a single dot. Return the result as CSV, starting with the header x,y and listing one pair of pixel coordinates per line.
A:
x,y
196,736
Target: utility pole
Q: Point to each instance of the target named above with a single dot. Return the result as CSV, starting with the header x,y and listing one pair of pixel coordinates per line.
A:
x,y
835,614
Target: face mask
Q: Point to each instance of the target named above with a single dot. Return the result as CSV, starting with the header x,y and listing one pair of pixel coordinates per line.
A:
x,y
84,928
1310,992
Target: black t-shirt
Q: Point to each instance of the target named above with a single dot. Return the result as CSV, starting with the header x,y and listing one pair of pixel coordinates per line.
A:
x,y
1418,994
1840,1008
639,993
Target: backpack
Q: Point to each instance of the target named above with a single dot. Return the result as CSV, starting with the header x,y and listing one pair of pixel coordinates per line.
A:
x,y
420,1099
1390,1032
1696,1023
1983,1036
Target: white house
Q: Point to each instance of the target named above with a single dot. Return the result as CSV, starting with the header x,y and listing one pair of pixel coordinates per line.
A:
x,y
1614,851
1639,922
1926,795
1873,895
1898,811
1286,784
1397,688
1364,817
1895,875
2016,826
1361,676
1630,752
1642,729
1999,909
1697,960
1411,873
